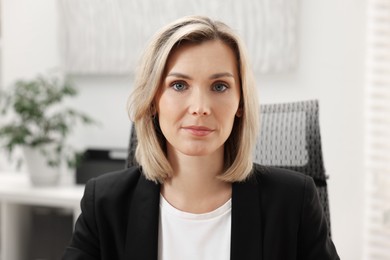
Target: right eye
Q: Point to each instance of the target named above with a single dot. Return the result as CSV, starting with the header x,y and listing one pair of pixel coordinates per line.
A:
x,y
179,86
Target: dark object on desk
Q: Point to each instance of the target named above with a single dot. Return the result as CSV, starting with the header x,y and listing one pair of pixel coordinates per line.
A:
x,y
99,161
289,138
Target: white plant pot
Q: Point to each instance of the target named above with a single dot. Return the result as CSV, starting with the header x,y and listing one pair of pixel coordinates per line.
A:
x,y
41,174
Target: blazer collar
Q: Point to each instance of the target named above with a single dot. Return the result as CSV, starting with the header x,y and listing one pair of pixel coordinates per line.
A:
x,y
142,226
246,236
143,222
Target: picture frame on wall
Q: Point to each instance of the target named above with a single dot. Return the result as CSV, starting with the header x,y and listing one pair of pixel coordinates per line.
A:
x,y
107,36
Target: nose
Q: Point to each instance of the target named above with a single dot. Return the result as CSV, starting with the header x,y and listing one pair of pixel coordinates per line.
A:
x,y
199,103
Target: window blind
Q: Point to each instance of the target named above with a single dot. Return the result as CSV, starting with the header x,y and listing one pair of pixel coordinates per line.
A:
x,y
377,128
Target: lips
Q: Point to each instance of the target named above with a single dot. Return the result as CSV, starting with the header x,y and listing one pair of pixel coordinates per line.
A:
x,y
198,130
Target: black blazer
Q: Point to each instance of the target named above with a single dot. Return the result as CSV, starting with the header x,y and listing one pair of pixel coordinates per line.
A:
x,y
276,215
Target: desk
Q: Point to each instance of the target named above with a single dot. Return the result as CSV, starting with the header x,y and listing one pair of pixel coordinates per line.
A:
x,y
17,195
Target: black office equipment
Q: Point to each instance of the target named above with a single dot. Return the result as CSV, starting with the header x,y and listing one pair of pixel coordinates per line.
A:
x,y
96,162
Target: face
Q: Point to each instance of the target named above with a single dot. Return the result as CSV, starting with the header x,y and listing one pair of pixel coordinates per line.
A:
x,y
199,98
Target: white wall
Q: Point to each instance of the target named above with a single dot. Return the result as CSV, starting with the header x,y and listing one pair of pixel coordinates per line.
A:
x,y
29,38
331,69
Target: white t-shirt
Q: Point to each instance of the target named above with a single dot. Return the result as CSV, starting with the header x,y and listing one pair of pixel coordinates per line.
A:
x,y
188,236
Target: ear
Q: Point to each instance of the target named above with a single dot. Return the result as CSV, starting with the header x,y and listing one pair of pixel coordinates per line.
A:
x,y
239,112
153,109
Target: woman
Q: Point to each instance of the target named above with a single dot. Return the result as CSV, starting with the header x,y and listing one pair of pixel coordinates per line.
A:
x,y
197,193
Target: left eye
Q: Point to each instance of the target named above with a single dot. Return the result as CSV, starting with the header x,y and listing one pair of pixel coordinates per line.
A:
x,y
179,86
220,87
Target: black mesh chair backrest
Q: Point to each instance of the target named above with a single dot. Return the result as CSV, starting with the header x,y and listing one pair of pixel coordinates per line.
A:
x,y
289,138
133,142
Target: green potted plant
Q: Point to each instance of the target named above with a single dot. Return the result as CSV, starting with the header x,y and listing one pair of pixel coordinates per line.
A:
x,y
34,118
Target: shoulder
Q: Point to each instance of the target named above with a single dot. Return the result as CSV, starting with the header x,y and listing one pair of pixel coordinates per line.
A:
x,y
290,205
128,176
282,184
115,184
273,175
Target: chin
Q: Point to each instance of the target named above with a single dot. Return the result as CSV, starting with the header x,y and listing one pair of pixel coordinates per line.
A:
x,y
196,153
196,149
200,151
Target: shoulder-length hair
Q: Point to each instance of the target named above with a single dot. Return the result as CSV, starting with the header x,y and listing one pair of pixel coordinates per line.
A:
x,y
151,149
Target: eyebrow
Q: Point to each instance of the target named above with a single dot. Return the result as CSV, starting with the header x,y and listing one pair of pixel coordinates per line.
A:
x,y
214,76
221,75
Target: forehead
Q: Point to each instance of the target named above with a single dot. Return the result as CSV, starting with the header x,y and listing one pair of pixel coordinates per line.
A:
x,y
216,52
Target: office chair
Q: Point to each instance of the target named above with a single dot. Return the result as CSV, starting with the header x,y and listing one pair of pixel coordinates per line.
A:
x,y
289,138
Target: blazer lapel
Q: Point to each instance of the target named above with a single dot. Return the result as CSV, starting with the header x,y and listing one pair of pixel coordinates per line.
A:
x,y
246,236
142,227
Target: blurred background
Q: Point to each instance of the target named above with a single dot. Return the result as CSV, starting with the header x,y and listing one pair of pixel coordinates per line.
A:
x,y
338,51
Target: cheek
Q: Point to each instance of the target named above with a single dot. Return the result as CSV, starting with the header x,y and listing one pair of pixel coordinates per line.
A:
x,y
227,114
167,108
164,104
230,106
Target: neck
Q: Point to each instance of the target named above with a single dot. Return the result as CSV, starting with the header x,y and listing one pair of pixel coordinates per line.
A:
x,y
195,187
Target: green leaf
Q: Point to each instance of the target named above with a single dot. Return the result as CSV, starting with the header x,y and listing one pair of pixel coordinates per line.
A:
x,y
39,117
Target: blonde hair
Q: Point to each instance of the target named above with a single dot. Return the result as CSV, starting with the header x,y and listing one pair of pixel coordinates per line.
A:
x,y
151,149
